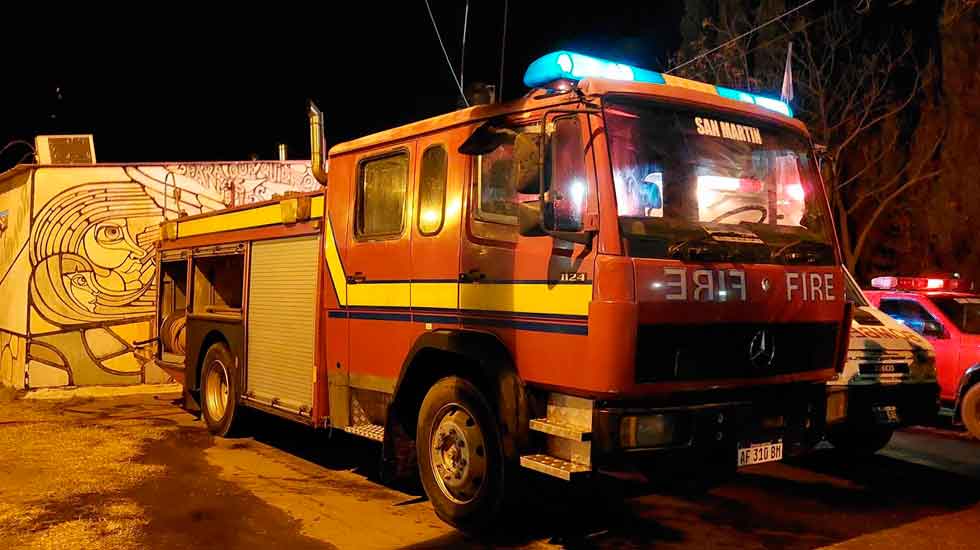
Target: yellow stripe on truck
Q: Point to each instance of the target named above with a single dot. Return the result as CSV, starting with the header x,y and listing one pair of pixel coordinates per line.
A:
x,y
241,219
270,214
336,269
435,295
556,299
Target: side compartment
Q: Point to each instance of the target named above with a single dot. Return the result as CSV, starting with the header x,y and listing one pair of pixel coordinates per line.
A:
x,y
281,324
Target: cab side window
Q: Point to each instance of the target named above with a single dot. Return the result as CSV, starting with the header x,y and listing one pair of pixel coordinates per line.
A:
x,y
496,189
912,315
382,183
432,190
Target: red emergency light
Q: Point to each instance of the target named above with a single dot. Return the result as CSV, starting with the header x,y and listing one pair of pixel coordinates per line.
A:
x,y
917,283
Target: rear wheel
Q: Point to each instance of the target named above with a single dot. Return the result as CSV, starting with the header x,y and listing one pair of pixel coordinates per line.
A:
x,y
970,410
461,462
859,442
219,390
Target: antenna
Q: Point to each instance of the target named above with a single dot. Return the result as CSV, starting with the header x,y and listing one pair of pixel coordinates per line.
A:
x,y
462,51
503,48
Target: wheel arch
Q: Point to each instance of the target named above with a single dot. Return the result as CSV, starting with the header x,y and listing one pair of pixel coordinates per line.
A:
x,y
480,357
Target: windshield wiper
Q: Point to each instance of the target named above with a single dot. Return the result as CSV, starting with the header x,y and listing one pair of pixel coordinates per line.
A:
x,y
801,251
702,247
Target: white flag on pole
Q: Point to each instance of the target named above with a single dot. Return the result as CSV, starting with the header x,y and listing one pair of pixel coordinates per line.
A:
x,y
787,92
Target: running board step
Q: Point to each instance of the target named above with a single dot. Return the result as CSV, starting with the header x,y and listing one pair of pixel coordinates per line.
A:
x,y
374,432
557,429
555,467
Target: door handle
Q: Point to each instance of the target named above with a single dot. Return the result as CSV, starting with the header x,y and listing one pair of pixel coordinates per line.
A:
x,y
357,277
472,276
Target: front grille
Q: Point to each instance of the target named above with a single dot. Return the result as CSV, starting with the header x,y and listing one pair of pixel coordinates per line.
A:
x,y
670,353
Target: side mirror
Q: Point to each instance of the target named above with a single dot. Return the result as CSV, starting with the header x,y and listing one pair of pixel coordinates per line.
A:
x,y
933,329
527,163
485,139
529,219
529,225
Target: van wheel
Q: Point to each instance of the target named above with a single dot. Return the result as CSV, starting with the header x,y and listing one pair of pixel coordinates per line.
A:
x,y
970,410
859,442
461,462
219,390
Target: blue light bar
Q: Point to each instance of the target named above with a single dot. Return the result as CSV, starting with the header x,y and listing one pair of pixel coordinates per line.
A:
x,y
574,66
563,65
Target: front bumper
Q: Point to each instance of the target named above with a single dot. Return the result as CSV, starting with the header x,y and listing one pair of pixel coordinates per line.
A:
x,y
707,429
864,405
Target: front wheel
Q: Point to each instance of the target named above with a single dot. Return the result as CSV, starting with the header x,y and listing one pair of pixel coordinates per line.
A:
x,y
970,410
219,390
461,462
859,442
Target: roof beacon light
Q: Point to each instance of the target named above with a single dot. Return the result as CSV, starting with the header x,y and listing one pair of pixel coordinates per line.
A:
x,y
575,66
565,65
916,283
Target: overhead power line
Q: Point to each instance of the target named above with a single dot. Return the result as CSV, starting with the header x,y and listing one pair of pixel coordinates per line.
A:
x,y
446,54
739,37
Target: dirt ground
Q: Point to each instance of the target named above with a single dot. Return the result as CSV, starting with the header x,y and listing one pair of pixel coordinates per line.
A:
x,y
138,472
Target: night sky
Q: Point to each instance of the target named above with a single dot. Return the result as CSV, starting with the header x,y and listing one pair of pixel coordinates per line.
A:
x,y
183,85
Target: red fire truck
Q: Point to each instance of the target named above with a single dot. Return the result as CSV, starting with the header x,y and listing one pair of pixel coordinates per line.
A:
x,y
620,268
946,311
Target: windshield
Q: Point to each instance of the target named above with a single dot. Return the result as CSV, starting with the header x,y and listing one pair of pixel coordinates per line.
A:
x,y
964,312
699,185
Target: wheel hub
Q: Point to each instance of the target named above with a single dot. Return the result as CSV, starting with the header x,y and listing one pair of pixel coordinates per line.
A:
x,y
216,392
458,454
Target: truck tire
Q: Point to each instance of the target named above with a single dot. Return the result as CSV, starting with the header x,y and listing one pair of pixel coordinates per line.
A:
x,y
461,461
219,390
970,410
859,442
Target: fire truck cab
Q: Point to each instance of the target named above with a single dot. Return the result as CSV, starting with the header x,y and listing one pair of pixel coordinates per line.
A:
x,y
620,268
946,312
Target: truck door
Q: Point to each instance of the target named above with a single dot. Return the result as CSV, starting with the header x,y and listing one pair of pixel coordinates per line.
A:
x,y
378,267
435,235
533,292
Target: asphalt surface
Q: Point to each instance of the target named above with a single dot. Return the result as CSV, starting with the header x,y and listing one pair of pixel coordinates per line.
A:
x,y
138,472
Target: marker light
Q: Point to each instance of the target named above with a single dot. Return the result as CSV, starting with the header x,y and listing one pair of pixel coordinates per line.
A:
x,y
884,283
575,66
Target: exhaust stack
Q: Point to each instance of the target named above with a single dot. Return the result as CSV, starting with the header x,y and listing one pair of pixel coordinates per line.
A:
x,y
317,143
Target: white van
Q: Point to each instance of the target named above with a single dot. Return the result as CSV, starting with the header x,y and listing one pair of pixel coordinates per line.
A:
x,y
888,381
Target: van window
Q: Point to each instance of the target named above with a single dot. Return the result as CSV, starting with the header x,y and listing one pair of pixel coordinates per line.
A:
x,y
432,190
381,188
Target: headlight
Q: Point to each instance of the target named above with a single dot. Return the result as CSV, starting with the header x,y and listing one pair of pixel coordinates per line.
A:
x,y
654,430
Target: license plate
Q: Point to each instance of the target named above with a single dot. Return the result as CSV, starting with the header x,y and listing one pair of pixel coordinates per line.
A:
x,y
887,414
758,453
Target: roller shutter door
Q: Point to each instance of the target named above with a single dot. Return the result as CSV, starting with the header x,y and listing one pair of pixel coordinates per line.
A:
x,y
281,319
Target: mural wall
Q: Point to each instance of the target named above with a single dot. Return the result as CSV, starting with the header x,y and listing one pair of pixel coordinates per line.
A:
x,y
77,266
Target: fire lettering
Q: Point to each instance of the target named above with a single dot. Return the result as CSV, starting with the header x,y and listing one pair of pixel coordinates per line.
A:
x,y
811,287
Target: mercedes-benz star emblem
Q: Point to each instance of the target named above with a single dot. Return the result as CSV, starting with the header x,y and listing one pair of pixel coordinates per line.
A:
x,y
762,349
765,285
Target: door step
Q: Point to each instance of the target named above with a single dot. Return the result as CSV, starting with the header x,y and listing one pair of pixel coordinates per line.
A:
x,y
555,467
374,432
557,429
